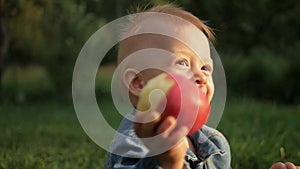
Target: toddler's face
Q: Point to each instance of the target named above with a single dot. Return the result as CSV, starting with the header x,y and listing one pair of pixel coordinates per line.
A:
x,y
183,60
189,50
186,62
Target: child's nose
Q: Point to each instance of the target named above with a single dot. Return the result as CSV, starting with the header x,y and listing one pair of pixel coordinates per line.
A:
x,y
200,79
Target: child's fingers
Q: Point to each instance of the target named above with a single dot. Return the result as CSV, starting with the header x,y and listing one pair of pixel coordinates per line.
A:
x,y
171,133
171,138
178,134
145,124
167,125
148,128
278,165
290,165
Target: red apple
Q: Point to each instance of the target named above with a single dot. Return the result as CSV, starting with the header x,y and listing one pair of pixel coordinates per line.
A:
x,y
183,100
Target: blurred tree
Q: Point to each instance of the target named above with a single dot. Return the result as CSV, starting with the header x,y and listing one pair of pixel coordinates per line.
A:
x,y
242,25
50,33
3,44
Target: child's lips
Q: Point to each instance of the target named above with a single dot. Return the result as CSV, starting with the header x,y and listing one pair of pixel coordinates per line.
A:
x,y
203,89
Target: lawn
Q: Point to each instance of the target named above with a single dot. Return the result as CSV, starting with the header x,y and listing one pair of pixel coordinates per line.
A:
x,y
261,133
45,135
48,135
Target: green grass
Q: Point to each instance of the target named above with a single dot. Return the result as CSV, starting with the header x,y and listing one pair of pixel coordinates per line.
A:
x,y
261,133
48,135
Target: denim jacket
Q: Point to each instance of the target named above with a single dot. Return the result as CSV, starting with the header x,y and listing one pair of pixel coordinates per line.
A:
x,y
212,151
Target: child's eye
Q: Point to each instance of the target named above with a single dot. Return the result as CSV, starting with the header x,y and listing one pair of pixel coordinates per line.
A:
x,y
183,63
206,68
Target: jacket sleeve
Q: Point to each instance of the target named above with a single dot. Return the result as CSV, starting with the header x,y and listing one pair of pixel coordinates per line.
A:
x,y
119,162
219,159
128,152
214,150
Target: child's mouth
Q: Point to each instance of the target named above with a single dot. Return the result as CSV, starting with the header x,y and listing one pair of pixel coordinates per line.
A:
x,y
203,89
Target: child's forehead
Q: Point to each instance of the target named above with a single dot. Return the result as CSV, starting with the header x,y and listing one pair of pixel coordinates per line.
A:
x,y
157,28
176,47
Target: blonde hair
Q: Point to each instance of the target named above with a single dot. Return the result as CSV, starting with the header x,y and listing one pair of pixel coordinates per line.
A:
x,y
172,10
179,12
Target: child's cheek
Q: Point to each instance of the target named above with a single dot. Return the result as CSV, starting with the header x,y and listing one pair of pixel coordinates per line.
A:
x,y
211,88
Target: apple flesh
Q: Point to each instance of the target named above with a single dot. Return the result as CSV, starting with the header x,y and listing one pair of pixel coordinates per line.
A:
x,y
181,99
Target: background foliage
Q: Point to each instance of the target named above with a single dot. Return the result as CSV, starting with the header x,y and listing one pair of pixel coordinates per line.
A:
x,y
257,41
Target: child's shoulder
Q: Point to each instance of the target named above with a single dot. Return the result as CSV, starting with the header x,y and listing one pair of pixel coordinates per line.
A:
x,y
211,132
209,141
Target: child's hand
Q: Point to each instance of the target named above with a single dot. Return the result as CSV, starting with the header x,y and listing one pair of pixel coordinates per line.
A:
x,y
174,157
287,165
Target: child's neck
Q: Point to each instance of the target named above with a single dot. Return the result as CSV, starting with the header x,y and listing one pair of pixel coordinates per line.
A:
x,y
190,145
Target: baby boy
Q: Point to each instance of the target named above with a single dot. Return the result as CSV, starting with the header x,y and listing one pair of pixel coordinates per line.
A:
x,y
173,41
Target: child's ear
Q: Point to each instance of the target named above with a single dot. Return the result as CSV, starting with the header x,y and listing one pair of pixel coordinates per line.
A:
x,y
133,81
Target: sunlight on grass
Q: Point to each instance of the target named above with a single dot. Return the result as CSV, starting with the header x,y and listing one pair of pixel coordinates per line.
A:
x,y
48,134
257,132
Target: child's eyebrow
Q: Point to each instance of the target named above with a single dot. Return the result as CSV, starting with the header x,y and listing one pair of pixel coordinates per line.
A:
x,y
204,59
184,53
